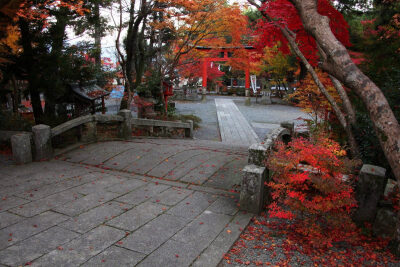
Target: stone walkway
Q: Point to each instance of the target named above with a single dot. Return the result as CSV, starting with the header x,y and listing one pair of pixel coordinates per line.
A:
x,y
147,202
233,126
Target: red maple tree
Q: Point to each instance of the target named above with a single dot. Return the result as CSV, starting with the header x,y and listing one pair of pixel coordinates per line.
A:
x,y
285,14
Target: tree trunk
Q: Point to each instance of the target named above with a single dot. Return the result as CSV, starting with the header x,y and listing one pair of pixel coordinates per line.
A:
x,y
350,116
340,65
55,90
15,95
97,35
31,71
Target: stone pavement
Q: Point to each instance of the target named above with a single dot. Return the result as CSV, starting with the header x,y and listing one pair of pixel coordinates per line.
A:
x,y
233,127
146,202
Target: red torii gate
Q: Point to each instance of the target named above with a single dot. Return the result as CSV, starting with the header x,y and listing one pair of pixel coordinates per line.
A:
x,y
224,54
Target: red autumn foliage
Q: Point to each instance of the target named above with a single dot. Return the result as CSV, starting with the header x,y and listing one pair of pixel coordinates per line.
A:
x,y
286,15
308,188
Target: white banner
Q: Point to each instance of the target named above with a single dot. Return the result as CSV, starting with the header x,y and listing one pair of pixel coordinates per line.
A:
x,y
253,79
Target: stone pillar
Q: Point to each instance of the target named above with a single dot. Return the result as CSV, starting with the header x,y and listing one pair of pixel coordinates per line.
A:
x,y
266,98
42,140
126,125
189,132
89,132
203,93
288,125
247,94
258,153
21,148
253,191
368,191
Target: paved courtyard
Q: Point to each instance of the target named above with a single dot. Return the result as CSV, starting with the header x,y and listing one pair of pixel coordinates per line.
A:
x,y
143,202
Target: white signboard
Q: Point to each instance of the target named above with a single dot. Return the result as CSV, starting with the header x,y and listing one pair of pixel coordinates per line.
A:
x,y
253,79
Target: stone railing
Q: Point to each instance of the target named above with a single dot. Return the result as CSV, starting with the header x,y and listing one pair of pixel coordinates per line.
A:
x,y
254,195
43,140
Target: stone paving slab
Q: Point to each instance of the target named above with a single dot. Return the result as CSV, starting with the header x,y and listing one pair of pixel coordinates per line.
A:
x,y
143,194
138,216
95,217
192,164
29,227
7,219
201,174
126,186
81,249
85,203
172,196
153,158
39,206
11,202
35,246
193,205
129,156
174,161
172,254
101,182
153,234
115,256
211,256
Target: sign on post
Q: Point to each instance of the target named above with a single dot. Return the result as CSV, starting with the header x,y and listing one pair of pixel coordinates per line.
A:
x,y
253,79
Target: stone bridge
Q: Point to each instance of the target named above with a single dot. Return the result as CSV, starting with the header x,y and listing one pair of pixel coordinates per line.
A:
x,y
144,202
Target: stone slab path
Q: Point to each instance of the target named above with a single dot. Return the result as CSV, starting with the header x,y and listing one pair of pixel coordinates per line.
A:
x,y
233,126
146,202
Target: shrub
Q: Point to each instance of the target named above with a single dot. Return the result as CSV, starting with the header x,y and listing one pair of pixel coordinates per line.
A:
x,y
308,188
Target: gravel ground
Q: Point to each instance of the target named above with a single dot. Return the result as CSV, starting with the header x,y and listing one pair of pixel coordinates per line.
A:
x,y
261,244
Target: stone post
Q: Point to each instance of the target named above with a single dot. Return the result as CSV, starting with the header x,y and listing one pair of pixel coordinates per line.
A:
x,y
126,125
42,140
203,94
247,94
89,132
368,191
189,131
258,153
253,191
288,125
21,148
266,98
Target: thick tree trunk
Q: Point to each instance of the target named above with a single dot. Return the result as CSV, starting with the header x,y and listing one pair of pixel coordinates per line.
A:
x,y
55,90
340,65
31,71
15,95
97,35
